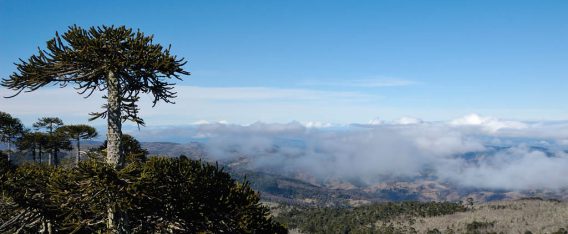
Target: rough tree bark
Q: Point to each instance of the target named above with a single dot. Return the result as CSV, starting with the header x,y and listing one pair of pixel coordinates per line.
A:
x,y
78,151
115,154
116,220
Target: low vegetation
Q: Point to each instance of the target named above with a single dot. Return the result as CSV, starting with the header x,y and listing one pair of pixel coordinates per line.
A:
x,y
363,219
159,195
522,216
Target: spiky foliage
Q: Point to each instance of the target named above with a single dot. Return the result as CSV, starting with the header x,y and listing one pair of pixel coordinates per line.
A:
x,y
162,195
34,143
84,57
10,129
48,123
78,132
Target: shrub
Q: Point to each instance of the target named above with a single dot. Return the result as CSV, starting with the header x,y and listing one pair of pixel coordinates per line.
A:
x,y
159,195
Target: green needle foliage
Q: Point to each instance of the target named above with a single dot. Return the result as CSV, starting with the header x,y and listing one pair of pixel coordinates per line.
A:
x,y
49,123
55,141
10,129
76,133
84,57
160,195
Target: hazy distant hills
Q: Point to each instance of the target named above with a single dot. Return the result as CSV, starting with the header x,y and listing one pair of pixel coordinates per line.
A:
x,y
300,187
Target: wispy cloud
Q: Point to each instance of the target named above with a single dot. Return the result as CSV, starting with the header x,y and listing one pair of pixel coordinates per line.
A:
x,y
265,94
235,104
371,82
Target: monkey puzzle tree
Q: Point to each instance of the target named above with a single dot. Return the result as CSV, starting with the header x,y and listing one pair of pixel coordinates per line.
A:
x,y
10,129
50,124
118,60
35,143
78,132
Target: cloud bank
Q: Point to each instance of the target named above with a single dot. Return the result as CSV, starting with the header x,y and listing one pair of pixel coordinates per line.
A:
x,y
473,151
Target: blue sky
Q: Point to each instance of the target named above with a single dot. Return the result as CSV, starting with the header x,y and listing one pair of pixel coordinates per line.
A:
x,y
329,61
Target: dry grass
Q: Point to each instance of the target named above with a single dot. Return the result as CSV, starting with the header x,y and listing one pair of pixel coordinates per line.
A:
x,y
503,216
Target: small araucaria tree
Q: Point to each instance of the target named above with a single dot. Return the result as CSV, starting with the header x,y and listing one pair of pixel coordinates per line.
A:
x,y
118,60
78,132
50,124
10,129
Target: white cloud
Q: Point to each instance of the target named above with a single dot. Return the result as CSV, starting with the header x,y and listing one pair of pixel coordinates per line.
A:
x,y
376,121
393,150
487,123
317,124
237,104
408,121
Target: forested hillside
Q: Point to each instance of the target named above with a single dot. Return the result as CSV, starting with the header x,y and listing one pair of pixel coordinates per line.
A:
x,y
521,216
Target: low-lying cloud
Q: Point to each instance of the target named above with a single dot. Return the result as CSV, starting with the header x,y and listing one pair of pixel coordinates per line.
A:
x,y
472,151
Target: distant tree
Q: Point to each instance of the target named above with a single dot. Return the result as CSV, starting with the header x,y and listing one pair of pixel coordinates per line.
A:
x,y
10,129
116,59
78,132
43,143
50,124
35,143
57,142
28,142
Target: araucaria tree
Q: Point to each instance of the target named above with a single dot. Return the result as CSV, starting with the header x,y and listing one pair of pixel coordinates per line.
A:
x,y
10,129
118,60
50,124
78,132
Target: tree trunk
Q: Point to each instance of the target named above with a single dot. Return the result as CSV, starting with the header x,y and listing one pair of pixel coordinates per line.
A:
x,y
34,153
40,153
116,220
115,154
56,157
9,151
78,151
51,152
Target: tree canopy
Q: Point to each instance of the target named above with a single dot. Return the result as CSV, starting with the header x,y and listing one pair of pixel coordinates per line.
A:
x,y
48,123
84,57
10,129
161,195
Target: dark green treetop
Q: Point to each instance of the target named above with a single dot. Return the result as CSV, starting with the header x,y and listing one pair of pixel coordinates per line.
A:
x,y
10,127
49,123
84,57
79,131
